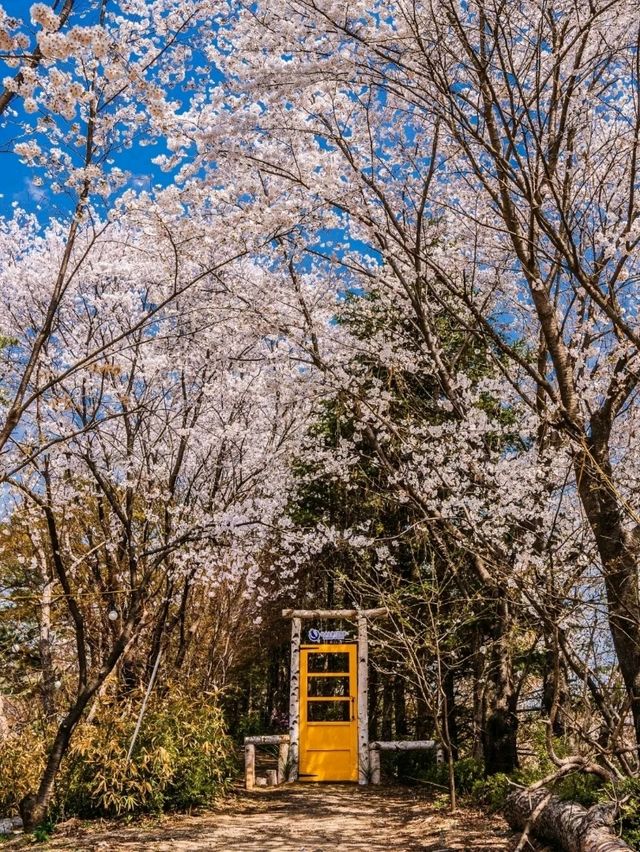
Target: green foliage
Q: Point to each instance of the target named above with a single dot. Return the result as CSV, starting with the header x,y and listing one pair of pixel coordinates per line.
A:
x,y
412,766
42,833
423,768
491,792
248,725
467,771
584,789
182,758
627,793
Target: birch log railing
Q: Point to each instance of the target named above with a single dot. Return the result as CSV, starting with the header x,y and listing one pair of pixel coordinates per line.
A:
x,y
393,745
273,776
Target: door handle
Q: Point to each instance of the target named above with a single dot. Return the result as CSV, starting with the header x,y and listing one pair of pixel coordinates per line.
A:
x,y
353,712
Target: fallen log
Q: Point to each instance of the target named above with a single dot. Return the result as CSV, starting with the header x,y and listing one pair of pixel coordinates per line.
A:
x,y
567,825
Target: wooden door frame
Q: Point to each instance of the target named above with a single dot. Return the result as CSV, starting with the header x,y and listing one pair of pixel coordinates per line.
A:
x,y
362,678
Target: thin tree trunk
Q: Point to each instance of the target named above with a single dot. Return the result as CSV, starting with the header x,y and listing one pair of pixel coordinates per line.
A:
x,y
34,807
387,709
47,686
478,698
448,686
424,719
373,704
399,707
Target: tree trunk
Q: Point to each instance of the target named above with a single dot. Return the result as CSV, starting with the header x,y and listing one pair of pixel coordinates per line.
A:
x,y
373,703
500,732
47,685
449,687
387,709
424,719
478,698
566,825
618,550
399,707
34,807
554,691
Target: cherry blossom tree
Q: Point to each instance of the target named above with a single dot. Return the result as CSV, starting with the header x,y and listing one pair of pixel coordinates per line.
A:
x,y
83,87
160,463
420,215
478,167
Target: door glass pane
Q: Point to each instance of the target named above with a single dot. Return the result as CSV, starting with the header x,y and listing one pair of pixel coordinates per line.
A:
x,y
334,661
328,686
328,711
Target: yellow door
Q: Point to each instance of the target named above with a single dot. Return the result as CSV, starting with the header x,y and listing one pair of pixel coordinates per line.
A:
x,y
328,713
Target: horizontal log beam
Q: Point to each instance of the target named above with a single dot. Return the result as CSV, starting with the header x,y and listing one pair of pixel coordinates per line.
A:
x,y
334,613
402,745
268,739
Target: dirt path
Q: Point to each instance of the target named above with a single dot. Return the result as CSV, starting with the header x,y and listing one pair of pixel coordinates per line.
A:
x,y
314,818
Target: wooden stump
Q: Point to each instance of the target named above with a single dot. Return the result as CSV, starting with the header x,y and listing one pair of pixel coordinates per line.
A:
x,y
272,777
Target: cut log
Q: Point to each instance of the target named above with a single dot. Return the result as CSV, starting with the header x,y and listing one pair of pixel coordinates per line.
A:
x,y
567,825
392,745
272,777
267,739
402,745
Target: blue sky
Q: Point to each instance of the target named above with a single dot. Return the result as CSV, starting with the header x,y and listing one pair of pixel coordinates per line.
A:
x,y
17,185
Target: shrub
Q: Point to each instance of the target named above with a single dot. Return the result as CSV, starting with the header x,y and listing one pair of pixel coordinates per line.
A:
x,y
492,792
628,793
182,758
584,789
22,756
422,766
467,772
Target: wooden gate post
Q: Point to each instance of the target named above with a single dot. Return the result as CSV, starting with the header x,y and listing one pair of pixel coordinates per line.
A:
x,y
363,702
374,764
283,761
294,699
249,766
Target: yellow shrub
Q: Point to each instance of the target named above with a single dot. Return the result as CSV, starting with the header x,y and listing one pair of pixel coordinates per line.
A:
x,y
22,756
183,757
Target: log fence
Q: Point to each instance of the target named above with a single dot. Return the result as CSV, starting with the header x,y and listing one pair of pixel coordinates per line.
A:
x,y
273,776
393,745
